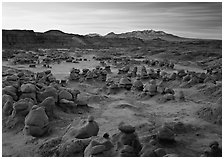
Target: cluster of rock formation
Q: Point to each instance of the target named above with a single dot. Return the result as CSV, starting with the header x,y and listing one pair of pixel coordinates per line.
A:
x,y
163,63
31,99
82,139
97,74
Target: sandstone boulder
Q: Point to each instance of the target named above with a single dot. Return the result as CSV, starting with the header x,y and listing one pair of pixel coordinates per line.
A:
x,y
36,122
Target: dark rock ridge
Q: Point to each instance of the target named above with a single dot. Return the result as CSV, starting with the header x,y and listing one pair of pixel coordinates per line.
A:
x,y
18,37
28,39
58,39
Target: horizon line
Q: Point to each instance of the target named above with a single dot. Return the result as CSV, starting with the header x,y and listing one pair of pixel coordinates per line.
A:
x,y
112,32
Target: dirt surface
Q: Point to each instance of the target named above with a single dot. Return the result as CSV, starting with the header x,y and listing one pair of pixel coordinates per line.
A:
x,y
146,114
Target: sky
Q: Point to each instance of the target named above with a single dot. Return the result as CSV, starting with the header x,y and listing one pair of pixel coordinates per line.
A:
x,y
193,20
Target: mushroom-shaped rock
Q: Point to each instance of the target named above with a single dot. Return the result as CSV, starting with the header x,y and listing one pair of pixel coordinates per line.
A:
x,y
10,72
152,82
36,122
173,76
91,128
160,152
129,75
55,85
48,104
202,77
20,74
107,68
89,75
12,78
29,95
209,78
125,83
126,128
163,73
143,69
180,95
135,69
138,85
161,89
51,78
73,147
74,93
129,137
194,80
165,134
127,151
179,127
40,75
132,140
83,129
153,142
126,68
168,97
67,104
28,88
181,73
64,94
84,71
48,92
151,89
186,78
6,98
22,107
151,71
169,90
10,90
8,108
113,88
47,72
99,147
144,75
74,76
171,65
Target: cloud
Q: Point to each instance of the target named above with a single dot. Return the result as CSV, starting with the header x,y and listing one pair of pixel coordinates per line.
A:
x,y
188,19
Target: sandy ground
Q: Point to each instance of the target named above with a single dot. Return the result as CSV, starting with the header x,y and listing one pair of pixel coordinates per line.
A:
x,y
61,70
110,110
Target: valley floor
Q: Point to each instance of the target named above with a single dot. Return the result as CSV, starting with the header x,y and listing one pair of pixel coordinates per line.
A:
x,y
146,114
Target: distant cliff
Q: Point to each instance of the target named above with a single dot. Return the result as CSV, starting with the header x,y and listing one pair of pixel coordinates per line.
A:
x,y
29,38
16,38
59,39
26,39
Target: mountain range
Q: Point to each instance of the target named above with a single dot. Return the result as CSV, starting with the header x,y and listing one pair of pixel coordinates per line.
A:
x,y
57,38
144,35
